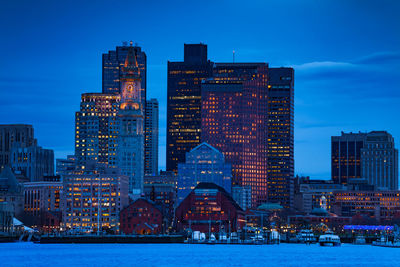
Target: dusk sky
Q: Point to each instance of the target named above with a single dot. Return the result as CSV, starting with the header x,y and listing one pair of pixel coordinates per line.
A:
x,y
346,56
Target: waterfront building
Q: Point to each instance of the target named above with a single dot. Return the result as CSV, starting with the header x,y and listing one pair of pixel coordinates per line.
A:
x,y
310,194
129,127
280,142
319,217
381,205
242,196
203,163
11,191
93,198
33,162
209,208
66,166
112,69
184,102
6,218
95,137
151,137
42,205
372,156
161,189
379,161
11,133
234,116
141,217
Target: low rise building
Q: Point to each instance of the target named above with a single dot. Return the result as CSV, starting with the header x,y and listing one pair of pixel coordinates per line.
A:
x,y
11,191
209,207
141,217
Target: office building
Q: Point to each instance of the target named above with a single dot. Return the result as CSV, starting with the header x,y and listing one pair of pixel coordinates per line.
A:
x,y
94,140
66,166
11,133
112,69
11,191
151,137
184,102
93,198
234,115
33,162
371,156
280,142
242,196
379,161
203,163
130,122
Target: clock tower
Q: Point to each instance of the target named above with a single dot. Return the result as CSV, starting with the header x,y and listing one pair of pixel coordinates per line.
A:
x,y
130,147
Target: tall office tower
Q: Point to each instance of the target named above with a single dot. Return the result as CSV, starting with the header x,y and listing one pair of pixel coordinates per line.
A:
x,y
346,156
130,140
151,137
184,102
11,133
113,63
234,115
280,154
379,160
33,162
94,141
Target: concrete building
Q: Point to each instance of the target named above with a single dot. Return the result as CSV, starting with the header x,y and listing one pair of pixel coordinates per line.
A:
x,y
11,191
11,133
242,196
141,217
130,123
151,137
6,218
112,69
94,197
66,166
203,163
209,208
33,162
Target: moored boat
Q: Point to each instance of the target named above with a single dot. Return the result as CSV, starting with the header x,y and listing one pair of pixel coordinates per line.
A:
x,y
329,239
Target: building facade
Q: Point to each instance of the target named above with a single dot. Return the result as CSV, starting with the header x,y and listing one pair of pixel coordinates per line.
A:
x,y
112,69
93,198
11,191
203,163
151,137
130,123
242,196
11,133
33,162
184,103
209,208
141,217
66,166
95,134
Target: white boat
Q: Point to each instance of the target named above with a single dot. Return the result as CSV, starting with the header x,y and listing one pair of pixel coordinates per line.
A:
x,y
384,242
329,239
306,236
360,240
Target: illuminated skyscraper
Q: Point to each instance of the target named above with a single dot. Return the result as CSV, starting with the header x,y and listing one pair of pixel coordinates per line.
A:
x,y
113,63
234,112
94,141
151,137
184,102
280,154
130,140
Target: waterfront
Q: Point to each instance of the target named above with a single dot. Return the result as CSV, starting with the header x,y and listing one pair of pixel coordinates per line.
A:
x,y
30,254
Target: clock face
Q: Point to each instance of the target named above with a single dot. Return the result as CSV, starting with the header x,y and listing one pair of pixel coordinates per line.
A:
x,y
130,88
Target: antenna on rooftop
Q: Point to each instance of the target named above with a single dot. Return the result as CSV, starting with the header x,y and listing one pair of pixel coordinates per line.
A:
x,y
233,55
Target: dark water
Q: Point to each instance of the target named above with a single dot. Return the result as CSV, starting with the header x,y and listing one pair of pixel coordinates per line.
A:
x,y
29,254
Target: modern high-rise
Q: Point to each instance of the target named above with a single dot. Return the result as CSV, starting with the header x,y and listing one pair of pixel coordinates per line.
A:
x,y
94,140
11,133
113,63
280,142
151,137
184,102
371,156
379,161
130,122
203,163
65,166
234,115
346,156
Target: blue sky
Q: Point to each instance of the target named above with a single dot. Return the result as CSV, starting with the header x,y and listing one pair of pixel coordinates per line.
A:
x,y
346,56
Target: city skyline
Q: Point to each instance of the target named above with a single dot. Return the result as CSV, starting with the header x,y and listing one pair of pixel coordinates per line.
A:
x,y
357,73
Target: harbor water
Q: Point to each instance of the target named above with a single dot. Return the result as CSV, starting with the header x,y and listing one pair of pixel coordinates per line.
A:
x,y
31,254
